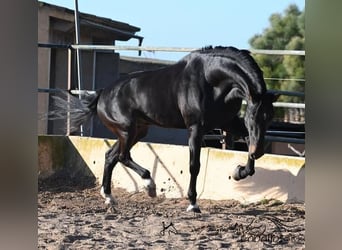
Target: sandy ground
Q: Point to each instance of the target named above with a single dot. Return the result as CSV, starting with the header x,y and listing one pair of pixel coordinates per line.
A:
x,y
75,217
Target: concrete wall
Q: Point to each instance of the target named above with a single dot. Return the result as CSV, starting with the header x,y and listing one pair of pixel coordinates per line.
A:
x,y
277,177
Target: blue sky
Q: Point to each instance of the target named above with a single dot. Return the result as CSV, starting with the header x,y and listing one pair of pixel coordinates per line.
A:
x,y
188,23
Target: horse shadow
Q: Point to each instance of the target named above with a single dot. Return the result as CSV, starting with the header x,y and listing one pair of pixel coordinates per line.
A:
x,y
159,162
275,183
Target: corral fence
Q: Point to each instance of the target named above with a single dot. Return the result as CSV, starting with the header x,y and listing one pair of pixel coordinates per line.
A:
x,y
290,133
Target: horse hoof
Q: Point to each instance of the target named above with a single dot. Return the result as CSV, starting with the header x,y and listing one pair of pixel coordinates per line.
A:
x,y
152,192
236,174
193,208
109,199
151,188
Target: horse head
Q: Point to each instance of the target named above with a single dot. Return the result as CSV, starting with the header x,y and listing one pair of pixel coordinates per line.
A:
x,y
258,116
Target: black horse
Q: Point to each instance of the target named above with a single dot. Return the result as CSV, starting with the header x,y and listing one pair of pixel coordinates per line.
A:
x,y
202,91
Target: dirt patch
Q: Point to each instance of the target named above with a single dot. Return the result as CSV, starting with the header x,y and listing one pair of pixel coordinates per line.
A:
x,y
75,217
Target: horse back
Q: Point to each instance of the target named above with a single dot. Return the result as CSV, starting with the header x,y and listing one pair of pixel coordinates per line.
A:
x,y
149,97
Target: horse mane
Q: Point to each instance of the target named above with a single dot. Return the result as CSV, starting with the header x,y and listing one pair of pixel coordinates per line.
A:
x,y
243,57
222,50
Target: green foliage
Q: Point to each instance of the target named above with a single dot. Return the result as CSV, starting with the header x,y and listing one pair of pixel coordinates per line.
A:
x,y
285,32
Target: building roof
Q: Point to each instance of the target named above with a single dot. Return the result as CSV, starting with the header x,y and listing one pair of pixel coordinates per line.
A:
x,y
95,24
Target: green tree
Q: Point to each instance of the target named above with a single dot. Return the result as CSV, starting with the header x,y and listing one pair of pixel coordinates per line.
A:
x,y
286,32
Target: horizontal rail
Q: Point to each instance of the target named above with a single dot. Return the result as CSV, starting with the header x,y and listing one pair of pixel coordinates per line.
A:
x,y
80,92
276,133
289,105
54,46
135,48
284,139
278,52
43,90
213,137
285,105
73,91
285,133
270,138
284,79
163,49
180,49
289,93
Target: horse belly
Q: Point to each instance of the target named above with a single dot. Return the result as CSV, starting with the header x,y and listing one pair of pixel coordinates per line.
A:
x,y
163,116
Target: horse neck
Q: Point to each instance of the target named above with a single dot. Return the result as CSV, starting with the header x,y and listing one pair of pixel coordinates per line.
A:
x,y
251,85
246,76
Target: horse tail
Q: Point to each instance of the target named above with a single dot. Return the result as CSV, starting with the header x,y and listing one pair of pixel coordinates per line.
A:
x,y
78,110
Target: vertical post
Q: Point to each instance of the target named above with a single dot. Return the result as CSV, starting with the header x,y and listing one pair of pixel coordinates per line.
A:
x,y
224,143
49,124
93,88
69,87
78,54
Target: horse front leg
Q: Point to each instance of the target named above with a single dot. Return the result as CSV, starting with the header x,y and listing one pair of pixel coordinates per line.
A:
x,y
195,140
241,172
238,128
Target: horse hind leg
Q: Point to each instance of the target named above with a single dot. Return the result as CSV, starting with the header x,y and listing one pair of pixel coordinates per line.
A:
x,y
150,185
111,159
120,152
128,140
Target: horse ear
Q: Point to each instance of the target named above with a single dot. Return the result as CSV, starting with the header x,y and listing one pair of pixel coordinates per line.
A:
x,y
234,93
273,95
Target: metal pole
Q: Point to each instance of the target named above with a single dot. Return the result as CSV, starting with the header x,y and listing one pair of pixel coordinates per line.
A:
x,y
69,88
181,49
93,88
78,54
